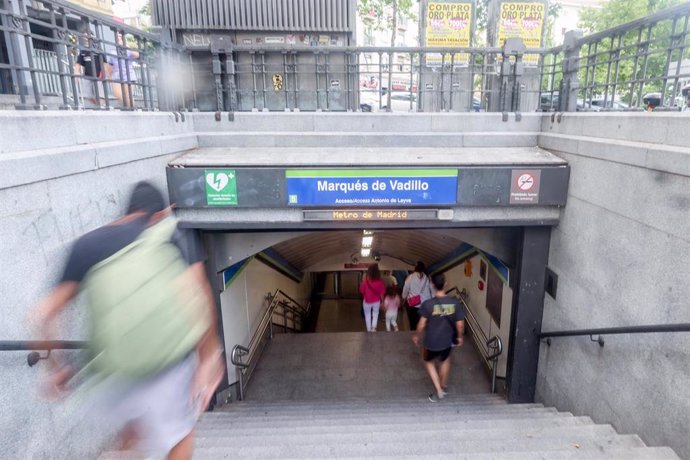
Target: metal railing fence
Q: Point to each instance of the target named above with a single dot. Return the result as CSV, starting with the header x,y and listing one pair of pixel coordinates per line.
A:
x,y
376,79
85,59
58,54
644,64
282,311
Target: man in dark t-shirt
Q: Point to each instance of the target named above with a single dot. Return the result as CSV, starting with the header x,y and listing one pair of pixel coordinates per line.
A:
x,y
441,318
98,245
159,409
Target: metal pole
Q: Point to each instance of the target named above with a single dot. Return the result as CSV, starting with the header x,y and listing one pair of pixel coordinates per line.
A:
x,y
240,372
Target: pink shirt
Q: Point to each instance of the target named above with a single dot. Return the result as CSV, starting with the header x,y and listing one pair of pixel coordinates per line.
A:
x,y
391,303
372,291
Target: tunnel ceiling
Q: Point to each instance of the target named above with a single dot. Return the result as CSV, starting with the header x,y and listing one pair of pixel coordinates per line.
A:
x,y
409,245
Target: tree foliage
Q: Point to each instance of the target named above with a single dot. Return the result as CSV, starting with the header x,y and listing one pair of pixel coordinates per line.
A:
x,y
617,12
384,14
618,63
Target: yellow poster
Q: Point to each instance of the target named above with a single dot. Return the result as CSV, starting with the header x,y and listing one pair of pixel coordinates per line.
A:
x,y
523,20
448,25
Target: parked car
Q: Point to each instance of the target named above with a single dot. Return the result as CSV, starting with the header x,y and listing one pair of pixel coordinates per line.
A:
x,y
609,104
403,101
549,102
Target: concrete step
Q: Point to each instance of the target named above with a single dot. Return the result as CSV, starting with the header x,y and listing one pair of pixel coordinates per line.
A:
x,y
607,453
375,411
508,424
478,398
366,122
230,421
415,434
316,406
366,139
400,447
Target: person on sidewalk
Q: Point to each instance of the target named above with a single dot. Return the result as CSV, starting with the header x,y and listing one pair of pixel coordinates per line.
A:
x,y
155,354
372,290
440,318
416,290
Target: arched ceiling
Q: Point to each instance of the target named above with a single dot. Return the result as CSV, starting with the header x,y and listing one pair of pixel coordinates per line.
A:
x,y
309,250
313,250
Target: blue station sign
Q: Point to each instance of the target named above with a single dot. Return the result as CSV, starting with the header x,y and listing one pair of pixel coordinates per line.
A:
x,y
371,187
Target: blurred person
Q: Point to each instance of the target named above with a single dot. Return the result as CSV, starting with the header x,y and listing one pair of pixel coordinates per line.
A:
x,y
391,304
415,291
155,356
388,279
92,65
442,325
122,71
372,290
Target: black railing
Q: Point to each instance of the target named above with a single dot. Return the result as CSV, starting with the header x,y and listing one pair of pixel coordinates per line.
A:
x,y
643,64
648,329
42,345
60,54
57,54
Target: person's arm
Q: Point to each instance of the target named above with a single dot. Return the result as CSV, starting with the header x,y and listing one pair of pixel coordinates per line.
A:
x,y
210,350
50,306
416,338
460,325
406,288
44,314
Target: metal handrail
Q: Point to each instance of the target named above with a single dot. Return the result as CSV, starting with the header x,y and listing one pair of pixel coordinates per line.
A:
x,y
45,345
279,291
647,329
470,314
494,343
245,368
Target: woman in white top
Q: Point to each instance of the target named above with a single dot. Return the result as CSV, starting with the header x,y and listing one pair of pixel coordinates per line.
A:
x,y
417,289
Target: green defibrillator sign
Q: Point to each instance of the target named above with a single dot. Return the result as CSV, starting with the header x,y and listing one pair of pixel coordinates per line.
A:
x,y
221,187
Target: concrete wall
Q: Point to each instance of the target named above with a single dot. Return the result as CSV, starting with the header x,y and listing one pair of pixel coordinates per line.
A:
x,y
243,303
477,303
621,252
61,175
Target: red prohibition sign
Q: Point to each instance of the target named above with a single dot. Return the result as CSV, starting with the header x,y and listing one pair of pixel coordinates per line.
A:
x,y
525,182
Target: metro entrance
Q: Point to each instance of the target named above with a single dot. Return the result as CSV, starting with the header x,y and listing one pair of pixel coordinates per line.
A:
x,y
484,221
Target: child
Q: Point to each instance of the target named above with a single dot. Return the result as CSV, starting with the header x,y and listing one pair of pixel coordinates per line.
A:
x,y
391,303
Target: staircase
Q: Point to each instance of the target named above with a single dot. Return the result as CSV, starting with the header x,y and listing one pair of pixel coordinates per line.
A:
x,y
359,395
468,426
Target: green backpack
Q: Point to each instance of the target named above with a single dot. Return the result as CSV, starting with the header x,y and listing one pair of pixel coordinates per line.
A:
x,y
147,311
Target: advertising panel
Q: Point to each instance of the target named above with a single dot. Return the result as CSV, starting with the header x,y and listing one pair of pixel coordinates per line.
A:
x,y
448,25
523,20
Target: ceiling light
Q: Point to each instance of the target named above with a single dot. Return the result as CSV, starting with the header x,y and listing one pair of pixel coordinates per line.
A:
x,y
367,241
365,252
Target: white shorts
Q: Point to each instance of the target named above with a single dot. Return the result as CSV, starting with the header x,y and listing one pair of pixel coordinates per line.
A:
x,y
160,406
